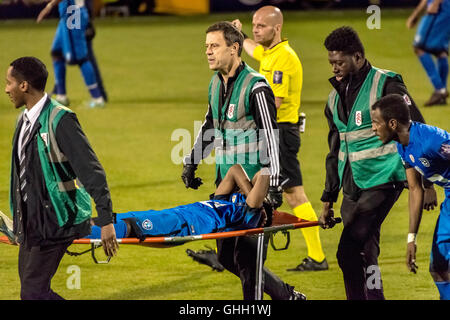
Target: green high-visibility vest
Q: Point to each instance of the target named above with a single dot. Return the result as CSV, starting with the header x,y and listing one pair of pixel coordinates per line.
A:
x,y
372,162
236,138
69,198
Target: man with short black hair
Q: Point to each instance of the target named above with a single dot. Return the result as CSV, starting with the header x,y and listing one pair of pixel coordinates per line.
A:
x,y
425,151
54,172
370,173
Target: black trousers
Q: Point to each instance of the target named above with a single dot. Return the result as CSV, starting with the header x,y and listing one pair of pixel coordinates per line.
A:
x,y
359,246
37,266
239,256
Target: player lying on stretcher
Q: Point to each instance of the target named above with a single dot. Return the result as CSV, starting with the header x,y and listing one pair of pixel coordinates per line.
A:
x,y
227,210
237,204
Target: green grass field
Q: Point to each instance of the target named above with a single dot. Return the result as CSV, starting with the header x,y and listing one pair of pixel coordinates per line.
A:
x,y
157,76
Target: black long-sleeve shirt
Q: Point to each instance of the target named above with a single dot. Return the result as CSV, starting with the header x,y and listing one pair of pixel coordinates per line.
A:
x,y
348,90
264,112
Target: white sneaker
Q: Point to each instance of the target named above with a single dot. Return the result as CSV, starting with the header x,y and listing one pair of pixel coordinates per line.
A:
x,y
62,98
6,227
97,103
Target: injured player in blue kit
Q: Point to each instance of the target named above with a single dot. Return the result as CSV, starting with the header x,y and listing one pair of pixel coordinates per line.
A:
x,y
227,210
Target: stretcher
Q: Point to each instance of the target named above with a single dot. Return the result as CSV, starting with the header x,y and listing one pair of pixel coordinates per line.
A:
x,y
281,221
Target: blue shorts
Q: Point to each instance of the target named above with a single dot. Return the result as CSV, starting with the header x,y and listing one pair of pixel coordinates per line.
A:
x,y
70,40
440,250
433,33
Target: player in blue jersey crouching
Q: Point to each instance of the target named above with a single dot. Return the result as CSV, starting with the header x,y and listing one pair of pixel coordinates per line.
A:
x,y
237,204
425,150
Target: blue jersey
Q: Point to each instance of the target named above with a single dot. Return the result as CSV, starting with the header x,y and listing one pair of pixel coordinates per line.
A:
x,y
433,32
70,40
223,213
444,7
428,152
66,7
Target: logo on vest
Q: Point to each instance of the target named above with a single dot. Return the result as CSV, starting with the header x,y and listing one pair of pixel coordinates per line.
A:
x,y
358,118
147,224
407,99
230,112
425,162
412,158
44,137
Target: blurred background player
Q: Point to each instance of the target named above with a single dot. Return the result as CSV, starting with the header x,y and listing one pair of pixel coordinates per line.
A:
x,y
90,35
425,150
371,176
282,68
432,37
70,46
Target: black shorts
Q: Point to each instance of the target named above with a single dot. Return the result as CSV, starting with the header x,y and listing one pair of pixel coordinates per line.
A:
x,y
289,148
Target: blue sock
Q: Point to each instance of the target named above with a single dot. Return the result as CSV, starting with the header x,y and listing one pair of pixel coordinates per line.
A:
x,y
89,78
431,70
59,67
442,63
120,227
444,290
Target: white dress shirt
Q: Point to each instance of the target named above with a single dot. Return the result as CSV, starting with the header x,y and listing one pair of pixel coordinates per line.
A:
x,y
32,115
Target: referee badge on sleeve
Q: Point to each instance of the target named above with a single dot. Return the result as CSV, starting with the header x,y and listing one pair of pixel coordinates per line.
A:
x,y
277,77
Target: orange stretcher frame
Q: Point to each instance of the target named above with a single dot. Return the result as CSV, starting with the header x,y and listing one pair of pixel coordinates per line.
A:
x,y
281,221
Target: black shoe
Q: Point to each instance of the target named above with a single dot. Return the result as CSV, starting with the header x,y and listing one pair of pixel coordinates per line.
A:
x,y
208,257
309,264
437,99
295,295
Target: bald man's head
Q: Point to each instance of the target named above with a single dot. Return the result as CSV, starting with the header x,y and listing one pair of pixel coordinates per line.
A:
x,y
271,14
267,25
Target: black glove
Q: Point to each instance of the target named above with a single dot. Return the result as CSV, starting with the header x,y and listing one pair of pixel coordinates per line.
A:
x,y
188,176
275,197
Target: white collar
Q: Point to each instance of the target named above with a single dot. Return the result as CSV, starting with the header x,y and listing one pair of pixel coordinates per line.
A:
x,y
35,110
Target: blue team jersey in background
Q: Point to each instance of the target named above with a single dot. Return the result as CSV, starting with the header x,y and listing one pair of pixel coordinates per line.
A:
x,y
433,31
444,7
70,40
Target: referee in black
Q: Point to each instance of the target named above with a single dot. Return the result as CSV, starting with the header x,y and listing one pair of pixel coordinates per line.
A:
x,y
223,49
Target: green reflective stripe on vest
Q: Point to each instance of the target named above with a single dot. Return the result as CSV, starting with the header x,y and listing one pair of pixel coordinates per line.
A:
x,y
236,138
372,163
70,200
332,100
356,135
373,153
